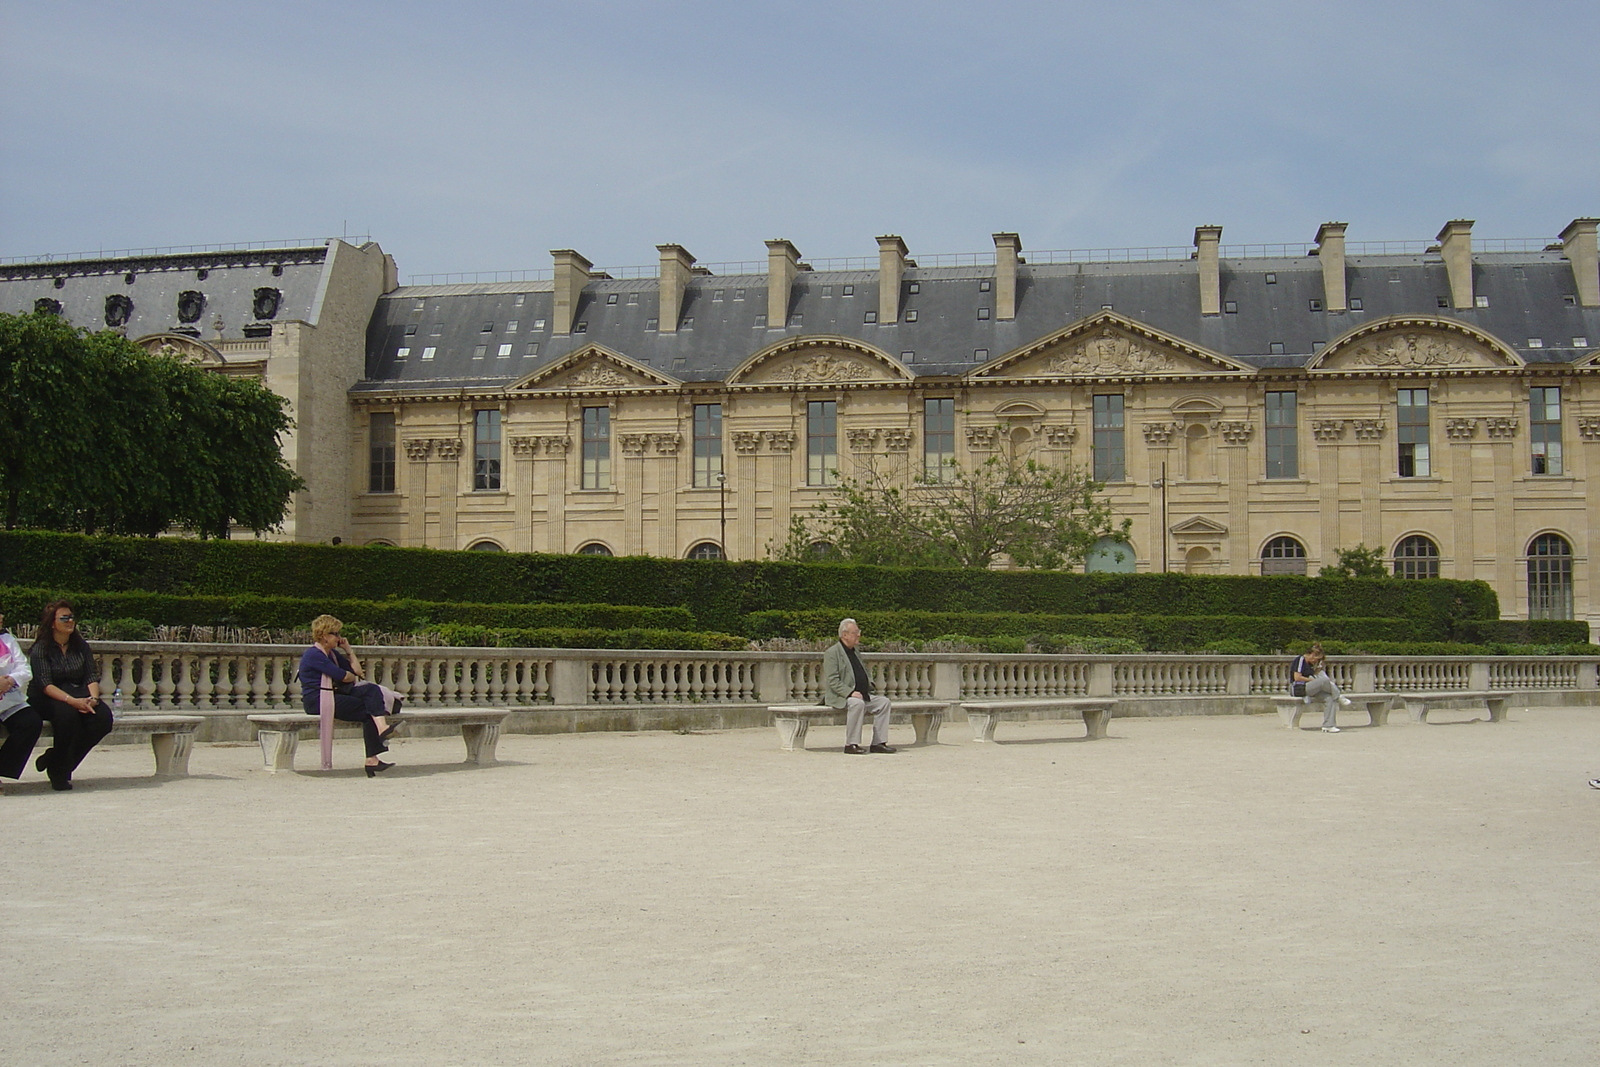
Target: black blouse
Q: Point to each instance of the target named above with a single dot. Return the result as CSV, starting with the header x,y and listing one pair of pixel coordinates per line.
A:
x,y
71,670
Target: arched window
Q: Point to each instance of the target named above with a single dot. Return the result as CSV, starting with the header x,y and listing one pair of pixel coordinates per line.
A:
x,y
1110,556
822,552
484,546
1283,555
594,548
706,550
1416,557
1549,577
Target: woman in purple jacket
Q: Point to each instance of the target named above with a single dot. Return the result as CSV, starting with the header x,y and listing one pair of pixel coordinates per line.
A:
x,y
330,670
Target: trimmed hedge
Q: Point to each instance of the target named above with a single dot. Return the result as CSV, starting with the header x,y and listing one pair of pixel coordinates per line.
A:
x,y
571,637
719,593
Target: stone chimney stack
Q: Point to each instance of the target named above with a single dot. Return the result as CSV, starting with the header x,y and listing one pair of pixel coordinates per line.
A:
x,y
1579,246
571,275
1208,240
1007,249
676,264
891,268
1455,245
783,263
1330,251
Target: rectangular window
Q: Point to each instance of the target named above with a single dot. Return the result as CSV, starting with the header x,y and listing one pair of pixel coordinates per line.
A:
x,y
1109,455
1544,423
486,449
707,445
511,327
822,442
1411,427
597,448
1283,450
402,353
505,352
938,439
380,452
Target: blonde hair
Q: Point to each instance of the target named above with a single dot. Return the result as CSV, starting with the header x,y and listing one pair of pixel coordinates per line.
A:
x,y
323,625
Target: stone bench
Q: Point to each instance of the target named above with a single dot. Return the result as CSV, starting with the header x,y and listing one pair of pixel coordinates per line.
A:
x,y
171,738
1290,708
984,715
280,733
1419,704
793,720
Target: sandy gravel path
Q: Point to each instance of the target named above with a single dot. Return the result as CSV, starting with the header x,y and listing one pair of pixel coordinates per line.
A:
x,y
1188,891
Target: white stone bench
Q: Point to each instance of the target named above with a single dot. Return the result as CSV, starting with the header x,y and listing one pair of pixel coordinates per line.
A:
x,y
1419,704
984,715
280,733
1290,708
793,720
171,738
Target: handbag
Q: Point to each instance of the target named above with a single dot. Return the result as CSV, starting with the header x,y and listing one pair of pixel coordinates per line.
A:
x,y
1297,689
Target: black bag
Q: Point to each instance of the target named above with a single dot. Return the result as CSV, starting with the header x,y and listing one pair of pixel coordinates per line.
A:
x,y
1297,689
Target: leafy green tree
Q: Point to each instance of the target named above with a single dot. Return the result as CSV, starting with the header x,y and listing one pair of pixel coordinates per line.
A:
x,y
1040,515
1357,562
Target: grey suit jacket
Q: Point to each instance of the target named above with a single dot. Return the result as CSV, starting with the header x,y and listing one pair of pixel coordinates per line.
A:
x,y
838,677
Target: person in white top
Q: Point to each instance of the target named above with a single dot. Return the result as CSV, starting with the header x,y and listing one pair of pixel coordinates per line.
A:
x,y
22,724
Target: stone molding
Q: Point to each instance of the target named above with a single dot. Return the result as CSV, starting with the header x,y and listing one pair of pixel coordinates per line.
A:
x,y
1500,429
983,438
1328,430
1461,429
1060,435
1368,429
1235,431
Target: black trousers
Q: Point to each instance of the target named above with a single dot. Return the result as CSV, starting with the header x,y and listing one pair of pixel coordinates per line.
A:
x,y
76,733
22,733
360,706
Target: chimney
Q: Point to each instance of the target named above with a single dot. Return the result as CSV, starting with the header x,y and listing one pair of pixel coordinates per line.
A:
x,y
1208,240
1007,247
1578,245
783,263
676,266
571,275
1330,251
1455,244
891,267
391,273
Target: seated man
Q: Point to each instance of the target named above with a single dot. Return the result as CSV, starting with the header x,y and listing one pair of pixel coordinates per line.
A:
x,y
848,687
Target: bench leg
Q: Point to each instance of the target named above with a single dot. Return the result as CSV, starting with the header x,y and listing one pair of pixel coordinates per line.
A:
x,y
791,731
481,739
1378,712
1291,715
927,724
172,754
1094,720
1497,709
278,748
983,724
1418,710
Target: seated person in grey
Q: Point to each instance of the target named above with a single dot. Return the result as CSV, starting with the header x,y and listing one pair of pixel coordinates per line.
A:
x,y
849,688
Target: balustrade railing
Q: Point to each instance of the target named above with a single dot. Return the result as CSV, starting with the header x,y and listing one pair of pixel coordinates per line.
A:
x,y
158,676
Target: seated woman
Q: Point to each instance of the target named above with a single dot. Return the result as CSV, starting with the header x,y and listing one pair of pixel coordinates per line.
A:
x,y
66,690
330,671
22,723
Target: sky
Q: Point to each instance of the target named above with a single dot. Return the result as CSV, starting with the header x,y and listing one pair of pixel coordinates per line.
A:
x,y
477,136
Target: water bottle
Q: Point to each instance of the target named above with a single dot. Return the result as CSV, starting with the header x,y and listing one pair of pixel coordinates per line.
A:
x,y
116,702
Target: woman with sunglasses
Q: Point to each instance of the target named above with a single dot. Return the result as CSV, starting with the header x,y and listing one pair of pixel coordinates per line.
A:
x,y
66,690
22,724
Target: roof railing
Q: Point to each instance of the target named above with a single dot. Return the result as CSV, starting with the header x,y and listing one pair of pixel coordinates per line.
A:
x,y
183,250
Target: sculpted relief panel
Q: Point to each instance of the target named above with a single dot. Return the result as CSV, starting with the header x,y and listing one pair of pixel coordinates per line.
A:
x,y
1412,350
819,368
1108,352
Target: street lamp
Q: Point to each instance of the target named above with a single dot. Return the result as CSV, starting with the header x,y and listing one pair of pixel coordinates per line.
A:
x,y
722,500
1161,483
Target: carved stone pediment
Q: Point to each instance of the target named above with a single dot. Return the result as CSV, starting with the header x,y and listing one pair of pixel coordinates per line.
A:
x,y
1108,345
1419,345
590,369
820,361
177,346
1200,527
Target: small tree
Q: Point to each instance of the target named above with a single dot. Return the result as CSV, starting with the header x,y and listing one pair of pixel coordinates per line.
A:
x,y
1040,515
1357,562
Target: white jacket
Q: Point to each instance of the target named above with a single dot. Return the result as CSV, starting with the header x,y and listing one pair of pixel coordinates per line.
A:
x,y
13,661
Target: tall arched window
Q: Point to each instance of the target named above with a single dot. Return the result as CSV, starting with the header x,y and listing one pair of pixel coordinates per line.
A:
x,y
1283,555
484,546
1549,577
706,550
594,548
1110,556
1416,557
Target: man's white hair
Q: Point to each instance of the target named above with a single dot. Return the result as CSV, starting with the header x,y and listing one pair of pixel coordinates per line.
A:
x,y
846,624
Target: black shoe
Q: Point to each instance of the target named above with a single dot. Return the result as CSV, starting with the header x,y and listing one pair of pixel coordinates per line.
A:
x,y
388,733
60,784
882,748
378,768
855,750
44,758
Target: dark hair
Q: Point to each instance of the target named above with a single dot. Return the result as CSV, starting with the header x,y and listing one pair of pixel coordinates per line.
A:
x,y
47,629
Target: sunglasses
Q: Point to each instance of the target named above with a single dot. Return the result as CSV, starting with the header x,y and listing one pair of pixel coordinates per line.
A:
x,y
65,618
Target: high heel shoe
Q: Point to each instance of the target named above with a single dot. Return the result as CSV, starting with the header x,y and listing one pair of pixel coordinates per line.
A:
x,y
388,733
375,769
44,759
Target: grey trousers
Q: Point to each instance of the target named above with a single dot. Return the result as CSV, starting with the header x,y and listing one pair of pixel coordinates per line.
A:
x,y
855,709
1323,685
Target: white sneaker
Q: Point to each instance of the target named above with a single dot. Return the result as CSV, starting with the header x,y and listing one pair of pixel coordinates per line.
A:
x,y
1335,729
1345,701
1594,783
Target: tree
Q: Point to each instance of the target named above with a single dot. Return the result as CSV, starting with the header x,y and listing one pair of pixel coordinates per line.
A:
x,y
1357,562
1039,515
101,436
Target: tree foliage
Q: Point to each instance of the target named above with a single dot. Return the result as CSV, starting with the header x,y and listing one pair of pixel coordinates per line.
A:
x,y
1037,514
1357,562
99,436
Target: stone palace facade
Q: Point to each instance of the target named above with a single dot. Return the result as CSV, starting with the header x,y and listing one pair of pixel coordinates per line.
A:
x,y
1252,409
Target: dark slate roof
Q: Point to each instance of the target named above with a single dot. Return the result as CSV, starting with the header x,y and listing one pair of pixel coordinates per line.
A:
x,y
1527,294
231,279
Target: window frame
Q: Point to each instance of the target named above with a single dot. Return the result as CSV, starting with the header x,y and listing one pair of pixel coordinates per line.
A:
x,y
1109,448
822,443
595,452
487,434
1544,432
706,431
1413,458
1282,434
938,439
382,457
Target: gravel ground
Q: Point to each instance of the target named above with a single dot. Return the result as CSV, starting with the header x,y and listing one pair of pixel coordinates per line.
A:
x,y
1211,890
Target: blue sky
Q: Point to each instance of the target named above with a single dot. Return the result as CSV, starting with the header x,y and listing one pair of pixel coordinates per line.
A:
x,y
477,136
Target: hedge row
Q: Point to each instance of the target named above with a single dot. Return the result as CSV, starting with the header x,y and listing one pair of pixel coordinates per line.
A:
x,y
567,637
23,606
719,593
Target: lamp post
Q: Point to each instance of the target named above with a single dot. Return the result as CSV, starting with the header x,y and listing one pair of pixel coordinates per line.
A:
x,y
1161,483
722,503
